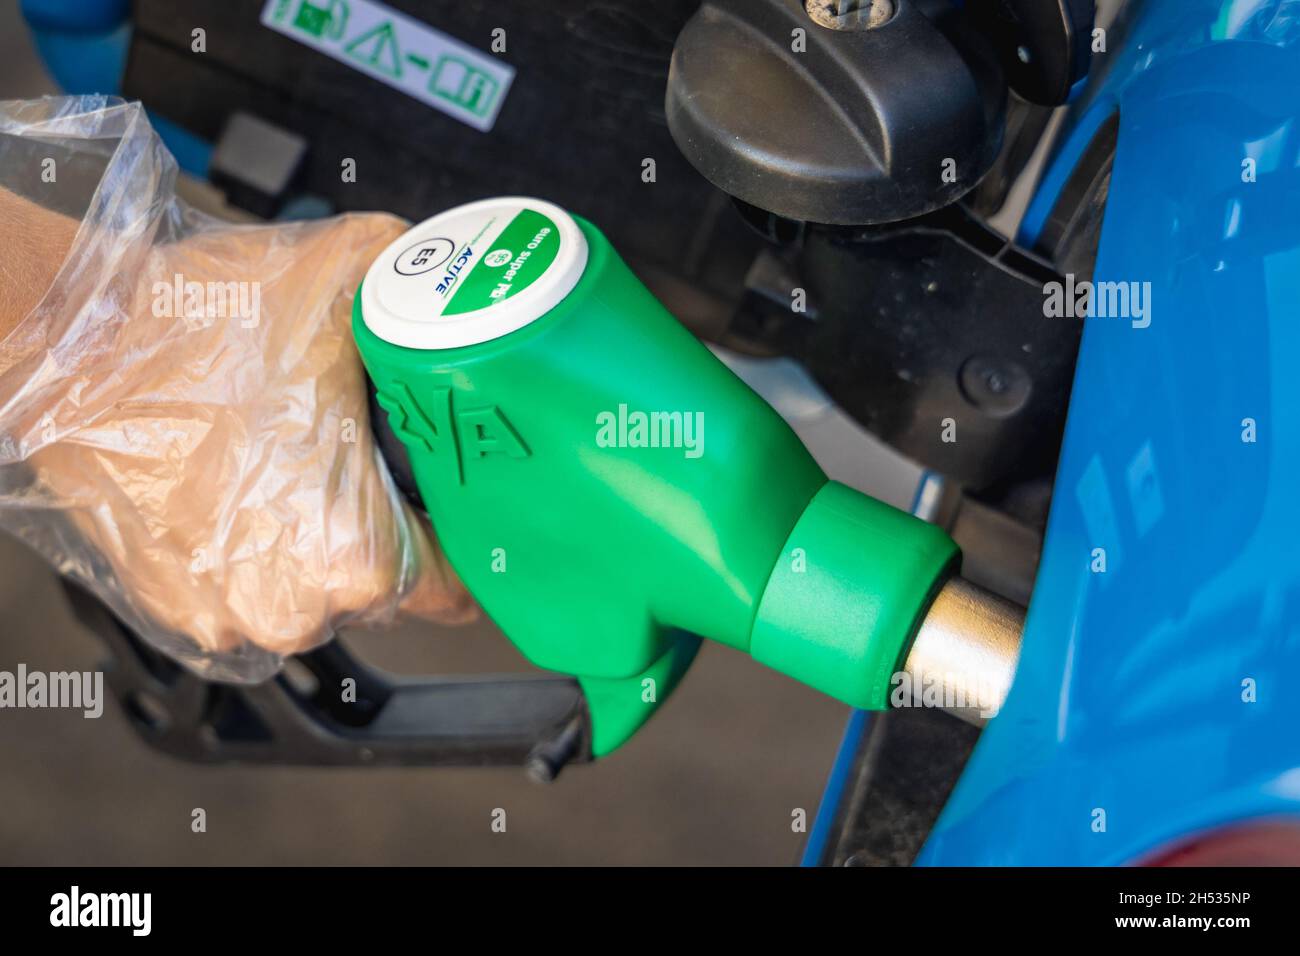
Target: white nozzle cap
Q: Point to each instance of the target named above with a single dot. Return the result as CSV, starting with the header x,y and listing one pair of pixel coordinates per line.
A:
x,y
473,274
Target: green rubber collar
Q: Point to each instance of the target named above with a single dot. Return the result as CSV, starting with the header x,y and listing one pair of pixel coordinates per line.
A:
x,y
847,594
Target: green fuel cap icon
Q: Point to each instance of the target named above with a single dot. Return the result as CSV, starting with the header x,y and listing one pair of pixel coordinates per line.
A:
x,y
607,489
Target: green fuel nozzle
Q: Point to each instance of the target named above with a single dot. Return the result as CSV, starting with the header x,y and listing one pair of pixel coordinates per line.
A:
x,y
607,489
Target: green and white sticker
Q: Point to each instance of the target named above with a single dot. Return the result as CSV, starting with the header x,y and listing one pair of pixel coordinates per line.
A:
x,y
473,274
408,55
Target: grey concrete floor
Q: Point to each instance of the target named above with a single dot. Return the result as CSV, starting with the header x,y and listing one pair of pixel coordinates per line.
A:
x,y
713,779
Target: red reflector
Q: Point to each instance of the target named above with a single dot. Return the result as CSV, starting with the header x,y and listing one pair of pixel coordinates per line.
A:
x,y
1267,843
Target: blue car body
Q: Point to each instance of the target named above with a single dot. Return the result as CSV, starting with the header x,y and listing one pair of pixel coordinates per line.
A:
x,y
1161,697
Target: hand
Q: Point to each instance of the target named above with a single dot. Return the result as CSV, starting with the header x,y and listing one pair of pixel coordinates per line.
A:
x,y
219,464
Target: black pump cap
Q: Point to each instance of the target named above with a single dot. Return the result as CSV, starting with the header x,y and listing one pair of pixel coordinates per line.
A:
x,y
855,129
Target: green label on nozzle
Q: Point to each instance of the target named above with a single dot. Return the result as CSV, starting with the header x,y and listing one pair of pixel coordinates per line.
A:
x,y
519,256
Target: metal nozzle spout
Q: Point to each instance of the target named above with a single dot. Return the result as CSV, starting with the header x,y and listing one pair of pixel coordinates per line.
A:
x,y
966,650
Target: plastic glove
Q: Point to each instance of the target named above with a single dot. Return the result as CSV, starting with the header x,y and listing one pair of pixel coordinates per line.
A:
x,y
202,460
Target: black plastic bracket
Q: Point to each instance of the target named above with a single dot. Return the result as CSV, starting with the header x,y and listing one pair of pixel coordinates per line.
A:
x,y
1045,45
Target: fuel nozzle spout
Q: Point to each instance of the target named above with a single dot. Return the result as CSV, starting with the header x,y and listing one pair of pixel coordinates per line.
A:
x,y
608,490
964,655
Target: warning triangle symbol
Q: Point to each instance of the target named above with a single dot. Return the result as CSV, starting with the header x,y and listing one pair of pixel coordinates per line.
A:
x,y
377,49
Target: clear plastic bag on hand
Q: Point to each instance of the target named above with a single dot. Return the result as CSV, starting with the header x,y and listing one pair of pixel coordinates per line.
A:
x,y
183,415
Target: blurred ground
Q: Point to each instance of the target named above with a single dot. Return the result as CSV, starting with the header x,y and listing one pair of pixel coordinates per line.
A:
x,y
713,779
